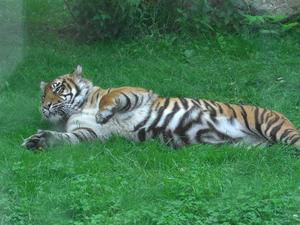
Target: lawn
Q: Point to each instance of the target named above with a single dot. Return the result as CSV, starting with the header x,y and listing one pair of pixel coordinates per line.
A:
x,y
121,182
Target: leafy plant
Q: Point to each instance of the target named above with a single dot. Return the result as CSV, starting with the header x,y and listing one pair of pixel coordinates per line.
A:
x,y
100,19
267,24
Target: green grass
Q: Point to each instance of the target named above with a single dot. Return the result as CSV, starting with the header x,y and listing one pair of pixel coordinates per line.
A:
x,y
121,182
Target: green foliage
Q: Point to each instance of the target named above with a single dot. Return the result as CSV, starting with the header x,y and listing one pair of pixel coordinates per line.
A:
x,y
271,24
104,18
107,19
100,19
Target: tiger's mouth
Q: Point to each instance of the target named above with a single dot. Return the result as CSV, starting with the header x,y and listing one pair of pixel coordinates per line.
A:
x,y
58,112
47,114
53,114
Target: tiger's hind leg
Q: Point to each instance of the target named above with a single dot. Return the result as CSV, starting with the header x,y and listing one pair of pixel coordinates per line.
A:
x,y
121,99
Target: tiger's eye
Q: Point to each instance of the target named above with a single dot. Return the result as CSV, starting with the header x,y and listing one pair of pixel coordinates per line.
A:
x,y
59,89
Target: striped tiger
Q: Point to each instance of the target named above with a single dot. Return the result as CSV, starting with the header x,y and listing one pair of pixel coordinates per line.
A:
x,y
91,113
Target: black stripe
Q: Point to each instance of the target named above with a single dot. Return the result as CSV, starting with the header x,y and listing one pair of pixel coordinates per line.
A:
x,y
262,116
212,102
127,105
136,98
143,122
171,115
270,123
68,85
200,133
232,109
196,103
181,129
244,115
78,91
286,133
178,129
221,135
219,107
184,103
168,138
83,135
142,134
68,137
295,140
213,118
269,115
158,130
68,95
78,137
107,118
141,102
275,130
92,99
199,118
258,123
159,114
212,110
88,130
245,132
181,132
291,137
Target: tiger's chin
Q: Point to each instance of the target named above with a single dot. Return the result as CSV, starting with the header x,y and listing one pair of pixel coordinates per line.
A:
x,y
55,118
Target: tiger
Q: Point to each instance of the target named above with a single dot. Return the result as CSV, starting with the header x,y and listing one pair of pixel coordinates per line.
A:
x,y
89,112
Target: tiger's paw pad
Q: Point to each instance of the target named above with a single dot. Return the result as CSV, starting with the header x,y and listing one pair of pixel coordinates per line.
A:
x,y
104,116
36,141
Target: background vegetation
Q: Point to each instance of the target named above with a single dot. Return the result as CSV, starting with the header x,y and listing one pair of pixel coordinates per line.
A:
x,y
121,182
102,19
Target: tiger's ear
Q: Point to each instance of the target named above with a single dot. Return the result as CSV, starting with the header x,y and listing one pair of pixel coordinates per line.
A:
x,y
43,85
77,73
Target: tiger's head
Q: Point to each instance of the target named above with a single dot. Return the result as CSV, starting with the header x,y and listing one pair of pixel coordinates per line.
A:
x,y
64,96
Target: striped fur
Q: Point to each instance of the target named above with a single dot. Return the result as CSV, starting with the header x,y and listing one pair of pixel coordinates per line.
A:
x,y
90,113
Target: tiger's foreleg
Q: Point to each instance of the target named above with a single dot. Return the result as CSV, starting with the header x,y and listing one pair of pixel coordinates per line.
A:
x,y
121,100
47,138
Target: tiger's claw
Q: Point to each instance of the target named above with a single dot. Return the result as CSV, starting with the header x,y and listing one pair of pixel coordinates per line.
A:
x,y
104,116
36,141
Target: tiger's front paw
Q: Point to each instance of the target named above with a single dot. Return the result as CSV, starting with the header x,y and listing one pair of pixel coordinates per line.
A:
x,y
37,141
104,116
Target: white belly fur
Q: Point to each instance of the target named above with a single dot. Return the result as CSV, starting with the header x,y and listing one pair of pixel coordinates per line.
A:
x,y
121,123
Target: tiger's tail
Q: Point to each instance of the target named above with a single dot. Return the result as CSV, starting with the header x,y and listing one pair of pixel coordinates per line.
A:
x,y
288,134
297,145
293,139
272,126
